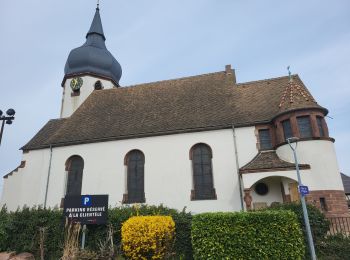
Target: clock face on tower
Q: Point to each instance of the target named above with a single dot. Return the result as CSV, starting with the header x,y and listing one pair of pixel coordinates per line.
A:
x,y
76,83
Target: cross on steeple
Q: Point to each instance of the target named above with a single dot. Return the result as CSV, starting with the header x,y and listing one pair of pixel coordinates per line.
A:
x,y
290,74
98,4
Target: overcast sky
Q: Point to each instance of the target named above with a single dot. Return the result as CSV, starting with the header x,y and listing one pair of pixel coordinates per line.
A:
x,y
162,39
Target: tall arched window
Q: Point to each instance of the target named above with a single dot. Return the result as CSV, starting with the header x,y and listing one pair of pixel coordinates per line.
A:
x,y
74,168
203,186
135,161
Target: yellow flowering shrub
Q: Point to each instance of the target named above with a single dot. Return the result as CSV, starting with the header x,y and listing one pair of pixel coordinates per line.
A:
x,y
148,237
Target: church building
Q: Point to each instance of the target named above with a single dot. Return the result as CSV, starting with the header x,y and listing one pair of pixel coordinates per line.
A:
x,y
205,142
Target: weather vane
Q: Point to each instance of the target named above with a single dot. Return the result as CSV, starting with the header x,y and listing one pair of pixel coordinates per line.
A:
x,y
290,74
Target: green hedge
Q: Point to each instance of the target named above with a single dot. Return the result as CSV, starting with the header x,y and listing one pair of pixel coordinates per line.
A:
x,y
19,231
252,235
318,221
4,222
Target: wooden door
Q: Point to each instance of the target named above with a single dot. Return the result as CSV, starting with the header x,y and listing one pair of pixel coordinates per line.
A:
x,y
293,191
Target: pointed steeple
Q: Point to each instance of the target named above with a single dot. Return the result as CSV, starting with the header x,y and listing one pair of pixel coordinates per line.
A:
x,y
96,25
93,57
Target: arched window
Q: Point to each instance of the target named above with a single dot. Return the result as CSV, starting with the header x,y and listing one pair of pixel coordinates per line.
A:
x,y
74,168
135,161
203,186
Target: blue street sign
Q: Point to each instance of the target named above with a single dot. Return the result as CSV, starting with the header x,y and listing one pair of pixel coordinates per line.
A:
x,y
304,190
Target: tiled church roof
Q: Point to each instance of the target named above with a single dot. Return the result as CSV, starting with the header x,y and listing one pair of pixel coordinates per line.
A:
x,y
204,102
266,161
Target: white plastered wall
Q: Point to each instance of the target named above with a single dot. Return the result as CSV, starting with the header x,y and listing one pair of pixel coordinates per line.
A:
x,y
246,144
274,193
168,171
249,179
320,155
273,180
27,185
71,103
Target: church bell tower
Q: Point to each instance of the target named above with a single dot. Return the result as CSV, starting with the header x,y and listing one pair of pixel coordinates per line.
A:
x,y
88,68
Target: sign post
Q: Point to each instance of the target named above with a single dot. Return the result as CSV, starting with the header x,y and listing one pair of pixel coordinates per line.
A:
x,y
303,190
86,210
83,238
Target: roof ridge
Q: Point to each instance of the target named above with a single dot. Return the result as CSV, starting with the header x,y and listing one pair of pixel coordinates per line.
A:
x,y
269,79
175,79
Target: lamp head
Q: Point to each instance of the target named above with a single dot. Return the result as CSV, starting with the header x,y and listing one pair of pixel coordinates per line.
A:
x,y
11,112
292,139
0,113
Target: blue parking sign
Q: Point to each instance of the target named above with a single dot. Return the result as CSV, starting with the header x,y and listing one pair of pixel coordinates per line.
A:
x,y
86,201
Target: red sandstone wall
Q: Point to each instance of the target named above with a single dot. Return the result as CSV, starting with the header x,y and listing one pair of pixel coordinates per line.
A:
x,y
335,201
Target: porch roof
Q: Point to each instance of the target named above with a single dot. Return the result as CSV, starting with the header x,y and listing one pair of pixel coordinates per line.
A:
x,y
267,161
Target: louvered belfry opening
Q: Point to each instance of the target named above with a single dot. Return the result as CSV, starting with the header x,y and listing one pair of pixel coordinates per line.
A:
x,y
135,162
74,167
203,185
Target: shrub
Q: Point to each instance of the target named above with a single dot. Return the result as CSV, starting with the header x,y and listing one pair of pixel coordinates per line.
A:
x,y
87,255
116,216
148,237
71,241
318,222
335,247
247,235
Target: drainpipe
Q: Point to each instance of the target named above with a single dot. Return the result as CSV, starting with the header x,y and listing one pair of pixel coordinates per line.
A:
x,y
237,168
48,177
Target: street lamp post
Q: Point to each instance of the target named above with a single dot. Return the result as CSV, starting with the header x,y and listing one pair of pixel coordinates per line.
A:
x,y
302,198
8,118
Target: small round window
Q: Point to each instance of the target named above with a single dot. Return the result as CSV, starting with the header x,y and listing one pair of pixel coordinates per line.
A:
x,y
261,188
98,85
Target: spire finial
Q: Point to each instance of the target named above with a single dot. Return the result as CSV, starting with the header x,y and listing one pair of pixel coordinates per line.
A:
x,y
290,74
98,4
96,25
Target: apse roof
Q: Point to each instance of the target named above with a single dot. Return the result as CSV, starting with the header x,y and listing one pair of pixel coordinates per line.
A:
x,y
295,95
197,103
